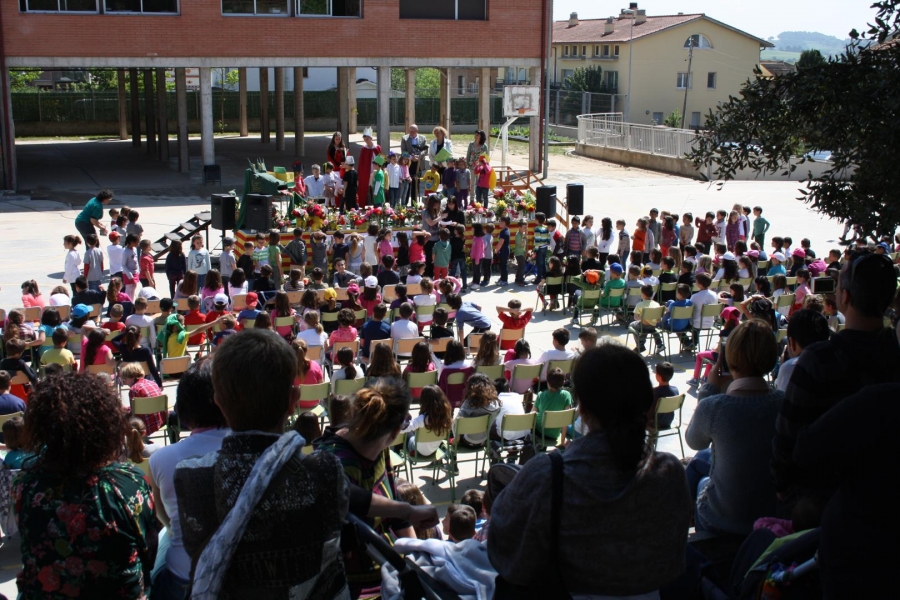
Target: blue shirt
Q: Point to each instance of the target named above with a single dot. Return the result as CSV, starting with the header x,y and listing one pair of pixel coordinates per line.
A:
x,y
776,270
677,324
373,330
9,405
469,314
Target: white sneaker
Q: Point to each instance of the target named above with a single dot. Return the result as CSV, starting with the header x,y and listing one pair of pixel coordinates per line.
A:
x,y
475,286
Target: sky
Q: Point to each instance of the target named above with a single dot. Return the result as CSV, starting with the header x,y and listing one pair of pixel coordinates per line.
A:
x,y
762,18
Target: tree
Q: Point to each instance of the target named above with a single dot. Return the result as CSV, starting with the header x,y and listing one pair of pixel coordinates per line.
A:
x,y
809,59
673,120
586,79
228,80
844,106
20,81
428,82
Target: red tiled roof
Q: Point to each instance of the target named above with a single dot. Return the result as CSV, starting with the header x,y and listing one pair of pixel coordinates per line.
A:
x,y
591,30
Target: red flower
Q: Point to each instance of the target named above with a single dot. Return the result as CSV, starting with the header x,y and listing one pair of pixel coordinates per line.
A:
x,y
49,579
74,566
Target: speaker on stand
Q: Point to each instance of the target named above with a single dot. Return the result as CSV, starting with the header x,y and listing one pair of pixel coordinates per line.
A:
x,y
575,198
222,208
546,200
259,211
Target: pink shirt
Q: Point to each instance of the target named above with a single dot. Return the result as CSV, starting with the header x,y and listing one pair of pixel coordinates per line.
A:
x,y
416,253
28,301
385,248
313,374
343,334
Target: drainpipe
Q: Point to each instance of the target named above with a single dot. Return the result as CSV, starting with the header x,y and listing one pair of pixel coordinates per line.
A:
x,y
8,144
545,124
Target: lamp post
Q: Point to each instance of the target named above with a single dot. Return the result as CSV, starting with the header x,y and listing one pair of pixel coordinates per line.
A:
x,y
633,14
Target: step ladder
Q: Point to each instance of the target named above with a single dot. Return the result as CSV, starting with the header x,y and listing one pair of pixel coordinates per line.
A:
x,y
183,233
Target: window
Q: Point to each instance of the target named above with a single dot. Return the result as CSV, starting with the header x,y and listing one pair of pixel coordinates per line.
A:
x,y
454,10
615,51
256,7
584,50
684,81
698,40
329,8
565,50
658,118
711,81
567,73
606,51
596,50
88,6
574,50
695,120
612,81
461,84
142,6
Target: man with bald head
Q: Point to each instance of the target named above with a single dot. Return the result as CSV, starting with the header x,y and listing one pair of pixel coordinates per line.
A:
x,y
413,145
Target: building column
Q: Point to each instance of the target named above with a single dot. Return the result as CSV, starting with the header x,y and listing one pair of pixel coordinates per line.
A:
x,y
484,101
279,108
410,97
445,99
207,142
383,120
299,117
184,161
149,112
346,102
535,148
242,98
123,106
10,178
135,108
264,105
162,110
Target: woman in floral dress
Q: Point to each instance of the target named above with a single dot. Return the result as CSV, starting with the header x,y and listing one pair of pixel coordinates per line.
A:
x,y
87,521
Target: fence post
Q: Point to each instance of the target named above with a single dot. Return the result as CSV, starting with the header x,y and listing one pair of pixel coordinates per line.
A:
x,y
585,97
40,113
556,116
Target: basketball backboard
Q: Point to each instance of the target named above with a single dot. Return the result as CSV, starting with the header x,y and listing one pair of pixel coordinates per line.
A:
x,y
521,101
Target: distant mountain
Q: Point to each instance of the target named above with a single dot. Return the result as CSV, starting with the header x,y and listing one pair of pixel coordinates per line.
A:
x,y
798,41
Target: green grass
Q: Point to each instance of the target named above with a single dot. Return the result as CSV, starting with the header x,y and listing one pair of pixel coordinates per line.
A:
x,y
779,55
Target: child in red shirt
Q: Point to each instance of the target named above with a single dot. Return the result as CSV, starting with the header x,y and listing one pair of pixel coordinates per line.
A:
x,y
195,317
221,308
513,319
147,265
417,247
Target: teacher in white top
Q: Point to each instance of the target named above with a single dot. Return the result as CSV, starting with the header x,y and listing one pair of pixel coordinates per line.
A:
x,y
441,140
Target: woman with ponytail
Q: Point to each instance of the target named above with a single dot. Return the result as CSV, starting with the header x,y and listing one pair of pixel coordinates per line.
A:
x,y
615,487
379,411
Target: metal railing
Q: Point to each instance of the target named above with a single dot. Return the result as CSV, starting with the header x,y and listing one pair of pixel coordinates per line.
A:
x,y
609,130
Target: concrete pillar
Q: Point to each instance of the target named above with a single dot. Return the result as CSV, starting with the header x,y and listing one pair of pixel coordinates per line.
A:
x,y
264,105
279,108
207,142
135,108
184,161
535,148
242,97
346,101
10,178
162,111
445,99
123,107
383,120
149,112
484,101
410,97
299,117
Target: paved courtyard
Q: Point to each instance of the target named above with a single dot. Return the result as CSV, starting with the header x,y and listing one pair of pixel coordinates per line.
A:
x,y
60,176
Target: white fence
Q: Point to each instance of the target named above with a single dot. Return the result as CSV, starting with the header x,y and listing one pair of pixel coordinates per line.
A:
x,y
608,130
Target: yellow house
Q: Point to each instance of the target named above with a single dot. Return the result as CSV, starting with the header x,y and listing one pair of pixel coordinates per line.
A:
x,y
669,55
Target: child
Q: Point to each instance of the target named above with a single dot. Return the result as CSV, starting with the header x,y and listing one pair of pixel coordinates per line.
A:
x,y
760,227
632,281
339,248
9,404
615,282
831,312
488,259
720,227
402,254
544,290
419,362
116,311
483,171
260,254
463,179
640,326
426,298
374,329
801,290
176,266
133,226
686,277
488,354
458,254
73,260
195,317
198,258
378,181
114,252
559,352
624,247
554,398
698,300
440,254
319,252
121,228
417,248
520,251
461,523
13,364
439,327
473,499
664,373
639,238
682,299
400,291
347,371
805,327
448,180
386,274
59,354
588,339
393,177
13,438
382,246
501,250
416,269
143,320
686,235
228,325
238,284
431,180
405,178
370,296
227,262
777,266
113,217
514,319
93,262
146,265
296,250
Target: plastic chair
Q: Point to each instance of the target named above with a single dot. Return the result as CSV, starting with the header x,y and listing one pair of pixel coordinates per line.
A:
x,y
416,381
413,289
666,287
329,317
784,303
678,313
341,294
467,426
143,466
780,335
284,322
403,347
526,372
361,314
474,342
311,395
453,383
440,344
667,405
348,387
314,353
653,315
552,419
493,371
354,347
389,293
554,281
153,307
563,365
397,460
174,366
5,418
507,335
435,461
762,266
709,311
294,297
239,302
151,406
64,311
511,423
611,310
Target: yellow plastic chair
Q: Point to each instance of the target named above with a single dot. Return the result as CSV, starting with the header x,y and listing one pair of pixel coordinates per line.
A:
x,y
667,405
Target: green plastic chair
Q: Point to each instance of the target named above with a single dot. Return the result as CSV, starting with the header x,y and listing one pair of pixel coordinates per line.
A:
x,y
467,426
511,423
552,419
667,405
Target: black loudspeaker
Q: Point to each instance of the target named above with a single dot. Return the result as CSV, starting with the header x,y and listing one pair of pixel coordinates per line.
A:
x,y
259,211
546,200
222,208
575,198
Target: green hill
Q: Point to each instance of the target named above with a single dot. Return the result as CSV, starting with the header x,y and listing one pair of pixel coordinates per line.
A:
x,y
789,45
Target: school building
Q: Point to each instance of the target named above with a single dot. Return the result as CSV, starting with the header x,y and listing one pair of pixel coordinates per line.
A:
x,y
144,38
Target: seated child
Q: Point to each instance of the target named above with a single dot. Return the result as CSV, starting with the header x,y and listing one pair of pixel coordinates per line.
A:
x,y
588,338
552,399
132,375
664,373
474,500
14,364
805,327
13,432
9,404
59,354
615,282
228,325
513,319
682,299
641,326
462,524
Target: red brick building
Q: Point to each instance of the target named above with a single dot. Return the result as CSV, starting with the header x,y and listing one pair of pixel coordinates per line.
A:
x,y
150,35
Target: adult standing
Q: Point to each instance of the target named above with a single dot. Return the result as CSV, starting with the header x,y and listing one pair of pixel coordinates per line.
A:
x,y
431,223
364,166
413,144
440,142
337,152
87,521
611,485
91,216
476,148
